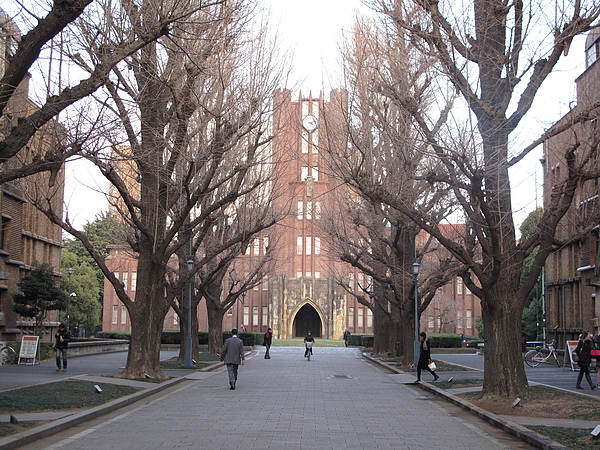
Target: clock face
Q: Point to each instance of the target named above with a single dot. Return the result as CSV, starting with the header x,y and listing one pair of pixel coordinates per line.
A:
x,y
310,123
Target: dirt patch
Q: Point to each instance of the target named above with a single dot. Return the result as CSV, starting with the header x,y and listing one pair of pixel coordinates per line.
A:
x,y
541,402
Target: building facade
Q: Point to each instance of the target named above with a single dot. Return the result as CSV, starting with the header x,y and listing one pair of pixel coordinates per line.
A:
x,y
26,235
572,276
302,292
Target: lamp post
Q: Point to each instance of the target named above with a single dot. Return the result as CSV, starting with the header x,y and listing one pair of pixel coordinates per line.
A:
x,y
70,272
415,271
188,339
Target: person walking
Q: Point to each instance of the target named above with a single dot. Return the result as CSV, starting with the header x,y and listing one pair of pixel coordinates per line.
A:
x,y
584,359
233,355
267,340
346,336
61,343
424,357
309,340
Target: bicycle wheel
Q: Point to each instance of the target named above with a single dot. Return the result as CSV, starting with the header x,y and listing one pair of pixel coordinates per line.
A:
x,y
533,357
7,355
308,356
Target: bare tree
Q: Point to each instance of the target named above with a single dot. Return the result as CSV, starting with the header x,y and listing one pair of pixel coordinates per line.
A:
x,y
62,18
184,119
491,54
386,151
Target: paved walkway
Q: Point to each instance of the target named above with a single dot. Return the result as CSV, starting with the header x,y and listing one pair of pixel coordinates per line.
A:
x,y
337,400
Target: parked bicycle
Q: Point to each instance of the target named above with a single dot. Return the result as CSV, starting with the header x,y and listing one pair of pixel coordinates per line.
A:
x,y
8,355
533,358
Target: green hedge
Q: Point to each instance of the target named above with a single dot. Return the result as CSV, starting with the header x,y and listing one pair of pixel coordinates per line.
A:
x,y
167,336
360,340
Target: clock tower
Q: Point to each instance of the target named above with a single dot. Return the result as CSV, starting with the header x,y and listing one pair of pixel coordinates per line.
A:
x,y
304,295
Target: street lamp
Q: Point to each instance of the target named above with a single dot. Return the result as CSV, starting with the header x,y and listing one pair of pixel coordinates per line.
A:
x,y
70,272
188,339
415,271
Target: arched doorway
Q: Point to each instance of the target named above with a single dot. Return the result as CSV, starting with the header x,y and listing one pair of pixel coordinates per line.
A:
x,y
307,319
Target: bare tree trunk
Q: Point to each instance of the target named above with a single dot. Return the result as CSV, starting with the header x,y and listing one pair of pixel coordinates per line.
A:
x,y
504,372
215,328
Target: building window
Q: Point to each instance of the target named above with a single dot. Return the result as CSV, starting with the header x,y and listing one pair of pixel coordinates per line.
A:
x,y
133,280
369,318
459,286
317,274
314,172
317,210
123,315
592,53
303,173
246,314
265,315
300,210
298,274
256,247
265,244
308,210
351,317
299,245
230,312
459,319
115,314
126,280
4,232
361,317
175,319
308,245
317,246
469,318
255,315
265,284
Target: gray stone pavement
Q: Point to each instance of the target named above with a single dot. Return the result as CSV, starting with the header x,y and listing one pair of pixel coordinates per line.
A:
x,y
336,400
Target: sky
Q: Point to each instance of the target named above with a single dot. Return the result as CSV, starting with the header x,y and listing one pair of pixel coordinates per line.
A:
x,y
312,30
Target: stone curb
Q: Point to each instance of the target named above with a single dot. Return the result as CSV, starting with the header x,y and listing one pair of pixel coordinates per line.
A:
x,y
526,435
56,426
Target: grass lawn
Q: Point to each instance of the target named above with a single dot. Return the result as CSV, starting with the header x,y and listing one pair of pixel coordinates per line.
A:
x,y
573,438
61,395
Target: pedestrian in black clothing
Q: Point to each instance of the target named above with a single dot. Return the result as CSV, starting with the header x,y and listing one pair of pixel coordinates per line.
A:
x,y
61,342
267,340
424,357
584,357
309,340
346,336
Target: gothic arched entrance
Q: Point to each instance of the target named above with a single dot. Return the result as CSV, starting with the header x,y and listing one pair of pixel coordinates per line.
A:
x,y
307,319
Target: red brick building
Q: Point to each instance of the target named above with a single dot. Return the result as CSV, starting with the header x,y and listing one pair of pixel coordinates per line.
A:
x,y
302,292
26,235
572,275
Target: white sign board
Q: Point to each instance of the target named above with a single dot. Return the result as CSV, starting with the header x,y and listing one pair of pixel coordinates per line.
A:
x,y
571,346
28,352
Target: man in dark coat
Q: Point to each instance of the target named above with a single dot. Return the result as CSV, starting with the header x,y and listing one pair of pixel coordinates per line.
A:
x,y
61,342
233,355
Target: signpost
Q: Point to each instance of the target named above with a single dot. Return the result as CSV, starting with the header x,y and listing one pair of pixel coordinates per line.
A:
x,y
29,348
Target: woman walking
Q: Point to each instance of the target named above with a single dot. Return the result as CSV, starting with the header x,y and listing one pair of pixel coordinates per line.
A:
x,y
424,357
584,357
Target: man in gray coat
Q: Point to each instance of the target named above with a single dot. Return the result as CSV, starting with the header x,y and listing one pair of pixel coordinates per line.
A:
x,y
233,355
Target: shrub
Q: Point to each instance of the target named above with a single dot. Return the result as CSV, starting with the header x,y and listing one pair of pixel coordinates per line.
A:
x,y
360,340
114,335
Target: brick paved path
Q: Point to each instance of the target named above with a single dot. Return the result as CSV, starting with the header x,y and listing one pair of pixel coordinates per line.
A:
x,y
336,400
